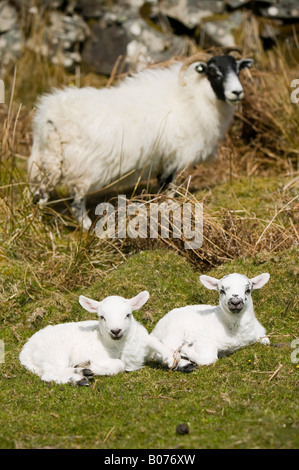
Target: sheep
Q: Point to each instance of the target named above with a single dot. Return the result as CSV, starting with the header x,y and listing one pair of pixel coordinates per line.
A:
x,y
153,124
116,342
202,333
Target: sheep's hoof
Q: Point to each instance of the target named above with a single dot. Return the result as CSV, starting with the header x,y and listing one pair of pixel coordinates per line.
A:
x,y
83,382
187,368
87,373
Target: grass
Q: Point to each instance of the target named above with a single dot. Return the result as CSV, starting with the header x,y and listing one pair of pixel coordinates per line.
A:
x,y
233,404
250,200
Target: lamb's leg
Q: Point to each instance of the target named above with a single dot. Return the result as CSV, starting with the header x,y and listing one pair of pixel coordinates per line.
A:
x,y
169,356
61,375
201,353
108,367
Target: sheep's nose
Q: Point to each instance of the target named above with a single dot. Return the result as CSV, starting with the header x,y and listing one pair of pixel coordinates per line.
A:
x,y
237,93
116,332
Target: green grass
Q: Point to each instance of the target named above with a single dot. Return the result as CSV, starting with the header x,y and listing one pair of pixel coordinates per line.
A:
x,y
231,404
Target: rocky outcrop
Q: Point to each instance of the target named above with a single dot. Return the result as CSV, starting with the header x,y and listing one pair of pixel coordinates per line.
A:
x,y
96,33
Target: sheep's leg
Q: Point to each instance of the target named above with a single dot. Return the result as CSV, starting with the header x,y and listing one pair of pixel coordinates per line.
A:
x,y
45,163
79,210
169,356
165,180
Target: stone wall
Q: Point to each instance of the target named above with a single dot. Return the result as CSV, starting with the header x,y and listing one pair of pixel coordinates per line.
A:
x,y
94,33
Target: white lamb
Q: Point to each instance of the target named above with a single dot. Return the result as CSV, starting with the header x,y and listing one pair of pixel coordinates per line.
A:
x,y
203,333
150,125
114,343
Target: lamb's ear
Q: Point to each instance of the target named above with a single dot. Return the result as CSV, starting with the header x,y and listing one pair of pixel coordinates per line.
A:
x,y
209,282
89,304
140,299
260,281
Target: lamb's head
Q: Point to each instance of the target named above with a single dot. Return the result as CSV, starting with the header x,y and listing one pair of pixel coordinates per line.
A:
x,y
115,313
223,75
235,290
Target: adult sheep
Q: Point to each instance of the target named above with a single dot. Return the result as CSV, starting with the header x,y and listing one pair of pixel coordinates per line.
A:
x,y
153,123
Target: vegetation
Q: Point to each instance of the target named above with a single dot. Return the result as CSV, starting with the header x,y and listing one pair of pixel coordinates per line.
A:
x,y
250,201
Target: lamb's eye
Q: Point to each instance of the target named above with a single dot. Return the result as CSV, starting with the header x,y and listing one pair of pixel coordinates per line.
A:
x,y
101,317
222,291
128,316
247,292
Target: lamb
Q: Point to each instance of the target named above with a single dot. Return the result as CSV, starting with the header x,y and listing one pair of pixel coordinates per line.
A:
x,y
153,124
74,352
203,333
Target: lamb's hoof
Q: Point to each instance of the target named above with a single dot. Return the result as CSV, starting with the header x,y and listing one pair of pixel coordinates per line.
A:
x,y
84,382
187,368
88,373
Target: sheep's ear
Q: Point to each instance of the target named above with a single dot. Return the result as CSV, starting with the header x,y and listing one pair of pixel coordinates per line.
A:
x,y
209,282
140,299
201,67
89,304
244,63
260,281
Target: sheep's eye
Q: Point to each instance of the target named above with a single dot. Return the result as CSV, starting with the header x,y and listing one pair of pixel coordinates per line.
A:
x,y
222,291
247,292
101,317
128,316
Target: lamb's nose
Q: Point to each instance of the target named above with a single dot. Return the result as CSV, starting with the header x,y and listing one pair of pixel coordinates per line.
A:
x,y
116,332
236,301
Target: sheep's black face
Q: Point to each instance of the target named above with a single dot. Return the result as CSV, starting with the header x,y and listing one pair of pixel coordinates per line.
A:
x,y
223,75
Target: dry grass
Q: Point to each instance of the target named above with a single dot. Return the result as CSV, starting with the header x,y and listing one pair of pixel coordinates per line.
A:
x,y
263,141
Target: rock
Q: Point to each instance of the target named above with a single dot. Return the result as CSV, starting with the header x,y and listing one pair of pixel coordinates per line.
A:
x,y
8,17
234,4
123,32
182,428
190,12
90,9
11,45
151,46
103,48
284,10
220,32
63,37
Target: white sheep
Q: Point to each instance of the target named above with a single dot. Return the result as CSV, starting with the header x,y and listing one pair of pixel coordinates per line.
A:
x,y
116,342
153,124
203,333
